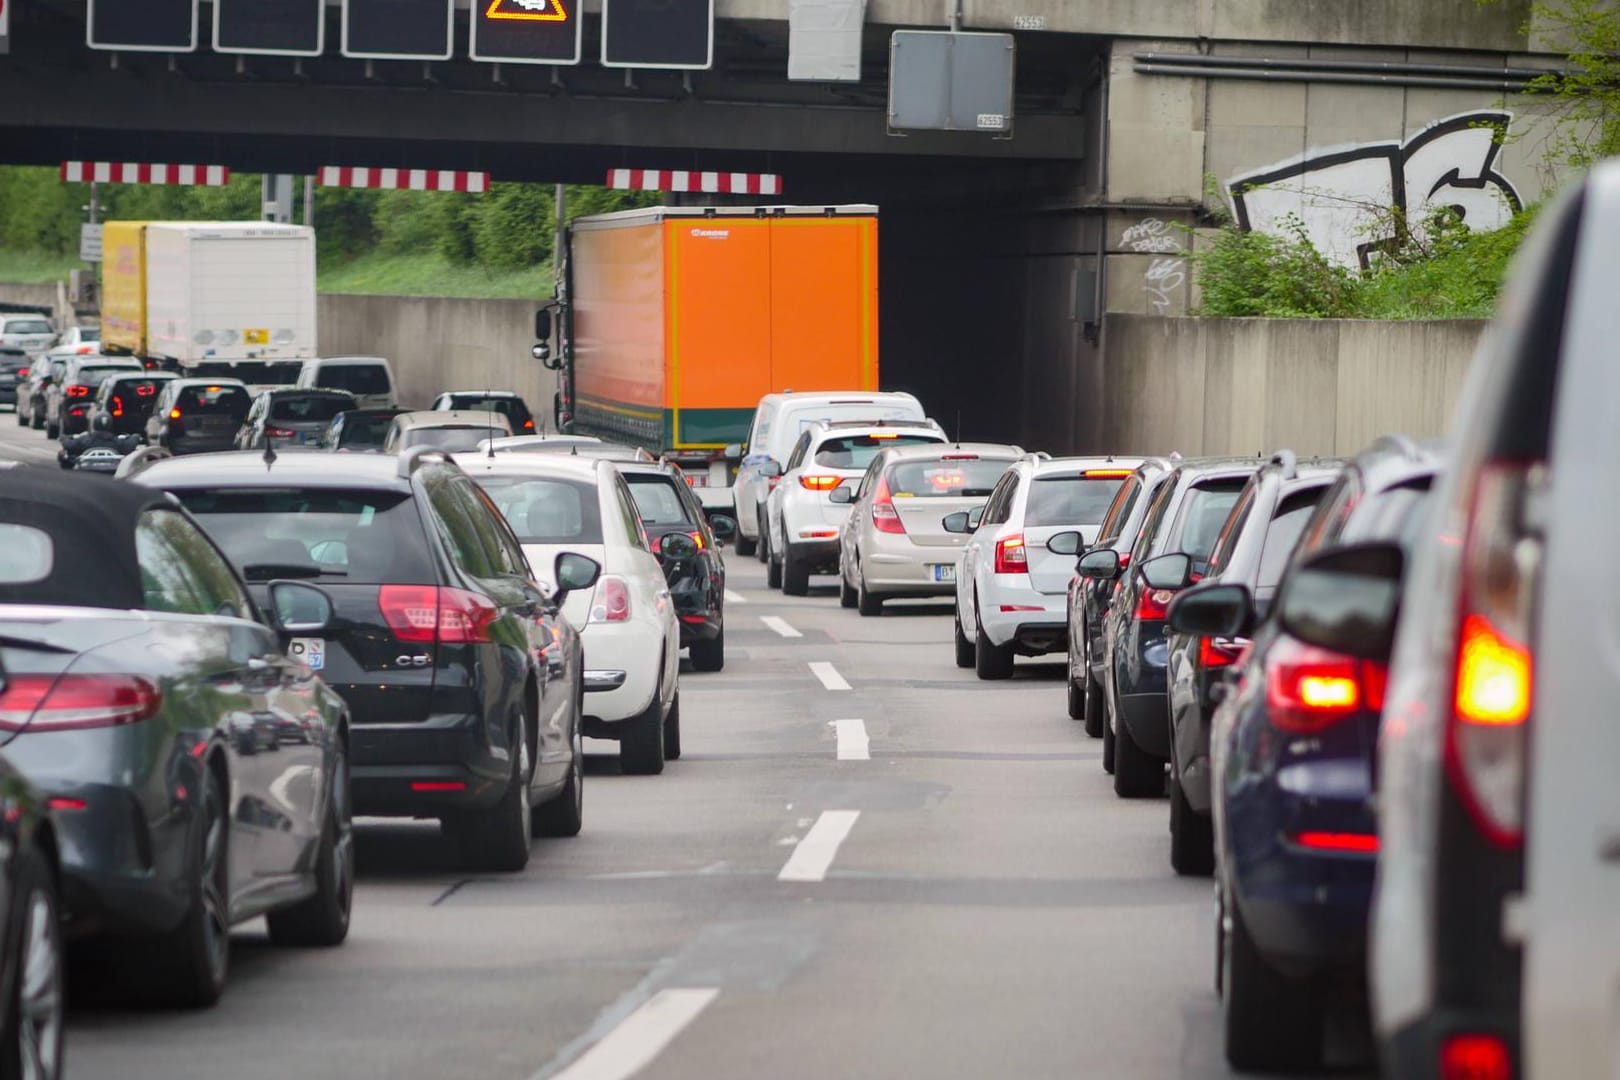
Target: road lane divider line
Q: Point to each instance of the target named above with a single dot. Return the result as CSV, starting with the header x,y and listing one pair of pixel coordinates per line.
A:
x,y
814,854
830,679
852,742
780,625
639,1038
735,597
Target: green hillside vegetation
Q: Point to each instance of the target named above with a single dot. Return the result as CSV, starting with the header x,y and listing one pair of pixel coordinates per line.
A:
x,y
410,243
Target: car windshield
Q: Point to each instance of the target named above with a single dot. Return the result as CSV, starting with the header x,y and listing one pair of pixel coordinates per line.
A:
x,y
355,378
355,537
857,451
947,478
454,440
28,326
210,400
313,409
543,510
1069,500
657,500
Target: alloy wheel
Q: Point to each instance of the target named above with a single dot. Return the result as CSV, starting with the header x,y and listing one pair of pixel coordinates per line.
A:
x,y
39,993
216,924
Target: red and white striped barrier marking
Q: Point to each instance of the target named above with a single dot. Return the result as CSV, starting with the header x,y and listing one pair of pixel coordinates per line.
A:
x,y
131,172
723,183
405,179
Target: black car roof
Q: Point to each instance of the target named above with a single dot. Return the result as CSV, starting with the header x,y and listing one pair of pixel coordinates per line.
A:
x,y
291,468
91,523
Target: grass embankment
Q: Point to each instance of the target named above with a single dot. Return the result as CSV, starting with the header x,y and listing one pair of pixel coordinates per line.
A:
x,y
376,274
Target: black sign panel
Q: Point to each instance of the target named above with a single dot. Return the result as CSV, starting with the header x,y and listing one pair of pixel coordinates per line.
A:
x,y
398,29
143,25
658,33
527,31
283,27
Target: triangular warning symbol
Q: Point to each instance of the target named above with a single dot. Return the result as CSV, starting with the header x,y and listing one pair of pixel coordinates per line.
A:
x,y
527,10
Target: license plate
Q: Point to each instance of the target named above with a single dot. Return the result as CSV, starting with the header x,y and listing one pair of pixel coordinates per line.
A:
x,y
945,572
310,651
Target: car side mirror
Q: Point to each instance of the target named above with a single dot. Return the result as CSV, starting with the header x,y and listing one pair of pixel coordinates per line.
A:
x,y
1172,571
677,546
843,495
1345,600
297,607
1065,543
733,451
723,527
573,572
1102,564
956,523
771,469
1212,610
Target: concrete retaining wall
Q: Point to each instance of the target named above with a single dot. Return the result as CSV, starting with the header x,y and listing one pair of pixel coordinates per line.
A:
x,y
1241,386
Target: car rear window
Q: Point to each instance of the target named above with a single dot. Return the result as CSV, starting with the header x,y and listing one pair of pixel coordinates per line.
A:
x,y
297,409
948,478
657,500
857,451
1069,500
544,510
212,401
452,440
137,396
89,333
352,537
511,408
796,422
27,326
95,376
1203,512
364,430
355,378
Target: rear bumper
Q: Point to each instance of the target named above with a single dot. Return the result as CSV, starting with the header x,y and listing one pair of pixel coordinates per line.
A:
x,y
697,628
444,764
1033,633
820,556
632,648
895,566
1413,1052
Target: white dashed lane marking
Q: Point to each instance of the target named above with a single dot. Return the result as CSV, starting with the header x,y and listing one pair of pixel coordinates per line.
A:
x,y
852,741
815,853
780,625
640,1037
830,679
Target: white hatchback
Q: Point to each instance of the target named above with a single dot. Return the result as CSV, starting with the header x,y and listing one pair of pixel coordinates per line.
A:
x,y
1012,592
557,503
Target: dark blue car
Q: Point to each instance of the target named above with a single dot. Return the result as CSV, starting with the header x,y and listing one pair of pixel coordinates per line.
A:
x,y
1292,757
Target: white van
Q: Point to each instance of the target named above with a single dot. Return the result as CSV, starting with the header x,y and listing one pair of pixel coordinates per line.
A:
x,y
779,420
369,378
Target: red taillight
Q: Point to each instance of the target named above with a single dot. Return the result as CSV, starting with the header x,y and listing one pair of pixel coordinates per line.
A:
x,y
1154,604
65,803
426,613
1309,689
528,425
438,785
885,518
1475,1057
1361,843
611,602
76,391
1494,675
820,483
52,703
117,405
145,389
174,414
1124,559
22,373
278,432
1219,652
1011,558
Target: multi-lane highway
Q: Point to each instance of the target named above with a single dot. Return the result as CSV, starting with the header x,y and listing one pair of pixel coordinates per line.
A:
x,y
867,864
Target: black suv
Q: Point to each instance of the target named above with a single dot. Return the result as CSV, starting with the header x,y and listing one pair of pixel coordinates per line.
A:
x,y
443,646
128,399
697,584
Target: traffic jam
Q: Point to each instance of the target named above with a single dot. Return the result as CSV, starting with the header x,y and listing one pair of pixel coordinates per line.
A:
x,y
254,600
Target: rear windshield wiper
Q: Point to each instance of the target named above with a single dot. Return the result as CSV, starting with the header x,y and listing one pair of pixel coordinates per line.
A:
x,y
266,571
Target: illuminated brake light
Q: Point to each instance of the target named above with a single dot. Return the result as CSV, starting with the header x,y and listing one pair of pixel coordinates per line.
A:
x,y
67,702
428,613
819,483
883,435
885,518
65,803
1362,843
1011,557
1309,689
1475,1057
1493,676
278,433
174,414
77,391
611,604
1105,474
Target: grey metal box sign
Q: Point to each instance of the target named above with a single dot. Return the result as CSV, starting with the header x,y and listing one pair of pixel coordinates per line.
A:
x,y
945,81
824,40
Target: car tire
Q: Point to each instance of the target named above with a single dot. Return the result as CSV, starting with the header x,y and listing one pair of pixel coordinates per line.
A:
x,y
847,596
22,421
53,431
672,730
31,1044
710,655
964,647
865,602
1272,1023
746,546
187,967
497,840
1192,836
773,570
1137,774
1095,721
322,920
641,744
763,551
564,813
1076,695
795,575
1108,748
990,661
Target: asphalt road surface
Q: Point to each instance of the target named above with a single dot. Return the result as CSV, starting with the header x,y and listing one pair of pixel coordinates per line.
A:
x,y
867,864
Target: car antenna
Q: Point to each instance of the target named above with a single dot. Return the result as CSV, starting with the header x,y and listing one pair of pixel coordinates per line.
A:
x,y
269,453
959,429
489,447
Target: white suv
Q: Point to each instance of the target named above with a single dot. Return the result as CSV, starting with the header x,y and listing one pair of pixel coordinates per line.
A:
x,y
802,522
1012,590
30,333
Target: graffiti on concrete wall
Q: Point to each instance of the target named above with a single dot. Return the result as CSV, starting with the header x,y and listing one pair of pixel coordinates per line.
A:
x,y
1167,271
1342,197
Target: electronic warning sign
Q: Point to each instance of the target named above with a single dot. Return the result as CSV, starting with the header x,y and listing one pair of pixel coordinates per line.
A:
x,y
275,27
399,29
527,31
658,33
142,25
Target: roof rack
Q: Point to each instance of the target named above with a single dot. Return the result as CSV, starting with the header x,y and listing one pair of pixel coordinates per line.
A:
x,y
1404,445
1288,462
1035,455
410,459
137,460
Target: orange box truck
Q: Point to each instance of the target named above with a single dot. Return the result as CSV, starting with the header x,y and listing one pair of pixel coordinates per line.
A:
x,y
677,320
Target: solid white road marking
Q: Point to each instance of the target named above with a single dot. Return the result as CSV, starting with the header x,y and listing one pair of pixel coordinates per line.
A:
x,y
641,1036
780,625
852,741
830,679
734,597
815,853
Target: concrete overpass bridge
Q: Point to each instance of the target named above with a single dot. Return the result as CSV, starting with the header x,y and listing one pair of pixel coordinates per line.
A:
x,y
1000,256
